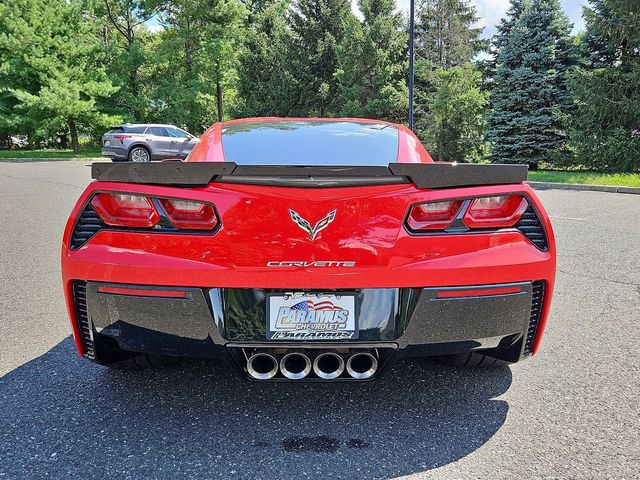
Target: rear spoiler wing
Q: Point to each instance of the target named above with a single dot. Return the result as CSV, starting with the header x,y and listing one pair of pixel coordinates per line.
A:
x,y
422,175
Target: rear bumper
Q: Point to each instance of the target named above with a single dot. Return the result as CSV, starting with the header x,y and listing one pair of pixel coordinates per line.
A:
x,y
119,153
210,323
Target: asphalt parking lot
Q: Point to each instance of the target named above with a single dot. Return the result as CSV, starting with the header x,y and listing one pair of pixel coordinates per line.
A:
x,y
571,412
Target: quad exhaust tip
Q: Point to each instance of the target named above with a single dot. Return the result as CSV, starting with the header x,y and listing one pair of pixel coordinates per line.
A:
x,y
328,365
262,366
295,365
362,365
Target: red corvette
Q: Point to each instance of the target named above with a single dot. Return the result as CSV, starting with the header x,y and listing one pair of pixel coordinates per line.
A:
x,y
318,249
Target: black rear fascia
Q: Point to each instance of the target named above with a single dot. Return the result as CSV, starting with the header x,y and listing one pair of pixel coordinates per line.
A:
x,y
422,175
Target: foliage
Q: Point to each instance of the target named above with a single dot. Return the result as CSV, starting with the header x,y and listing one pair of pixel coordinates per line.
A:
x,y
529,93
445,32
59,84
604,129
373,65
317,27
459,107
71,68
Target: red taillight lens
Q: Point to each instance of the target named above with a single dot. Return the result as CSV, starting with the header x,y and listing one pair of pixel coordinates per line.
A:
x,y
189,215
121,137
123,210
495,212
434,215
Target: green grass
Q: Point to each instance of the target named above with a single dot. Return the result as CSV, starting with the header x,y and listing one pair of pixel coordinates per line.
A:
x,y
84,153
587,178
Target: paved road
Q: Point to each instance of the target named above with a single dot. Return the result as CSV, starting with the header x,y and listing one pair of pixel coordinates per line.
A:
x,y
571,412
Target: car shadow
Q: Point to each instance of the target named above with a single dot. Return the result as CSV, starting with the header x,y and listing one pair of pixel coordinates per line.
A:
x,y
63,416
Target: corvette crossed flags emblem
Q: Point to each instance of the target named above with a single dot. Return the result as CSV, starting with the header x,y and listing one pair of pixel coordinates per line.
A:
x,y
306,226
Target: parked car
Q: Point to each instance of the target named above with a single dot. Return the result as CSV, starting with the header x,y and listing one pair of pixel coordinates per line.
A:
x,y
143,142
319,249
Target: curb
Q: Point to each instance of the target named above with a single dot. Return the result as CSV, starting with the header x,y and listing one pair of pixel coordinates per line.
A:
x,y
52,159
589,188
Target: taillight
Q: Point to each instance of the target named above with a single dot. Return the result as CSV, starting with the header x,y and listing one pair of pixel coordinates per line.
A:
x,y
121,137
122,210
189,215
139,211
434,215
495,212
499,211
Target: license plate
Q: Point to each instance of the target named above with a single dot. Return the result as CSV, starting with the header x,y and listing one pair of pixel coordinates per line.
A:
x,y
308,316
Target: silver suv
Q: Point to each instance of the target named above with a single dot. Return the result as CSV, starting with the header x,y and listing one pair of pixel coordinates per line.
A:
x,y
143,142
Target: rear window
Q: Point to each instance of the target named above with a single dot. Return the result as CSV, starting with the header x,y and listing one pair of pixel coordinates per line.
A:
x,y
136,129
310,143
116,130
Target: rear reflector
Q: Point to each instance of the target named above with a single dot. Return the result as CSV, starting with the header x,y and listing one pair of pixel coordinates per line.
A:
x,y
143,292
478,292
434,215
121,210
495,212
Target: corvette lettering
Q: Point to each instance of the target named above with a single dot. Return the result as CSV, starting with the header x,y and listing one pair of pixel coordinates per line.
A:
x,y
305,264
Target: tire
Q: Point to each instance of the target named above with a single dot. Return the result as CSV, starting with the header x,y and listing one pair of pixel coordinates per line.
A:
x,y
139,154
144,361
471,359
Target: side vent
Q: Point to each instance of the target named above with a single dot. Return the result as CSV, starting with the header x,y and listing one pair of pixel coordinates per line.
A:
x,y
80,303
537,300
88,224
530,226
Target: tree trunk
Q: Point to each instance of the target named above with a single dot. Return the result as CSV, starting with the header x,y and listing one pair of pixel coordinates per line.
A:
x,y
73,131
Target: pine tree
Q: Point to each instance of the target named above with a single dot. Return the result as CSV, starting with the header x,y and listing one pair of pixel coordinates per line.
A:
x,y
604,127
318,28
54,44
266,84
444,32
372,64
530,95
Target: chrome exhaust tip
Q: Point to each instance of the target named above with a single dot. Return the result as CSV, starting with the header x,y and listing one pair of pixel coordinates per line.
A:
x,y
295,365
328,365
362,365
262,366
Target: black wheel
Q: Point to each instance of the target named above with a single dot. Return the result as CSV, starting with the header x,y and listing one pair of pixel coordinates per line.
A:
x,y
471,359
144,361
139,154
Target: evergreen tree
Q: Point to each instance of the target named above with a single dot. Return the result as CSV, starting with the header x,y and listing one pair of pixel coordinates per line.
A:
x,y
318,28
459,107
266,84
372,61
604,129
530,95
63,66
444,32
195,65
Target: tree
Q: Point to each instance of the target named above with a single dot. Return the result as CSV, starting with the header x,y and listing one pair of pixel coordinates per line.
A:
x,y
530,95
444,32
266,84
318,27
372,64
125,39
63,66
459,107
195,64
604,128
